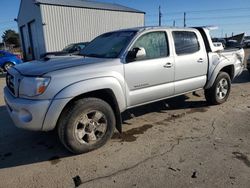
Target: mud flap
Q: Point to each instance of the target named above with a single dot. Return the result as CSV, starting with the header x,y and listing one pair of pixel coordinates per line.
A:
x,y
119,122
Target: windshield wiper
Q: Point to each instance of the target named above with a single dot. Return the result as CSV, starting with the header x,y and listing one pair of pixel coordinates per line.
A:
x,y
92,55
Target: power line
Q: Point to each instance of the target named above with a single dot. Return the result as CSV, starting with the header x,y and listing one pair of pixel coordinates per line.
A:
x,y
210,10
229,24
217,24
216,10
10,27
202,18
222,26
6,21
7,25
220,17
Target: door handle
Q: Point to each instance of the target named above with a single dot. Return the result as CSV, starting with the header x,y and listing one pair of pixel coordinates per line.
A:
x,y
168,65
200,60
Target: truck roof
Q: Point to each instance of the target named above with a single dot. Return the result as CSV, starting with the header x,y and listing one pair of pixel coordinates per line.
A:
x,y
155,28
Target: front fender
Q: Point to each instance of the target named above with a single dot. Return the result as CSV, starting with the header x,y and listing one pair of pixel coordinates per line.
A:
x,y
95,84
68,93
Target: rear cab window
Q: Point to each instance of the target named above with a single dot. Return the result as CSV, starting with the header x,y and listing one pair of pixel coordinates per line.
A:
x,y
186,42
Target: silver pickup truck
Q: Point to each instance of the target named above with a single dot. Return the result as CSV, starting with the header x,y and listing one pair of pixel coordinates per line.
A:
x,y
83,96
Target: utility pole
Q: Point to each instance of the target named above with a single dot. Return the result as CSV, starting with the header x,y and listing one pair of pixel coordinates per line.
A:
x,y
160,15
184,19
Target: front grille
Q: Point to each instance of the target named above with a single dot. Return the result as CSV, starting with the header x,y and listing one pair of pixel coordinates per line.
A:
x,y
10,82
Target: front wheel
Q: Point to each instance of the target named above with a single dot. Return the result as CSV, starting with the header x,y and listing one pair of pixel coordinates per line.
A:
x,y
87,125
220,90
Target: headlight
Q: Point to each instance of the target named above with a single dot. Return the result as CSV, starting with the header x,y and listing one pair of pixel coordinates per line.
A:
x,y
33,86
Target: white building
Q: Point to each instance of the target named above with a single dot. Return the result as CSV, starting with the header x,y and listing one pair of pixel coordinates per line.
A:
x,y
50,25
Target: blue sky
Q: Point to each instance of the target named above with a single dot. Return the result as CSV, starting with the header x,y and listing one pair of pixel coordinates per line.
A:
x,y
234,18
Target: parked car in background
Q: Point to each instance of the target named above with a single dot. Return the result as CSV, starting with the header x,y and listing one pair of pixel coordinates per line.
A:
x,y
73,48
233,44
247,43
8,60
221,40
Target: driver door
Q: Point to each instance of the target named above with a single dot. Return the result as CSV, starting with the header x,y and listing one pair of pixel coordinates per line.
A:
x,y
151,77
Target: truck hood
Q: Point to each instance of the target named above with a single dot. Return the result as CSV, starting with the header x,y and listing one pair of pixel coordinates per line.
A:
x,y
39,68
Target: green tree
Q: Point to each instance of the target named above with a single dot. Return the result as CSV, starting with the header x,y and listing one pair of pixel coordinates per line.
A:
x,y
11,37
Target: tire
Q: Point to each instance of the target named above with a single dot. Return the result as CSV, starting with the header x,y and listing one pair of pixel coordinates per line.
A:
x,y
7,66
87,125
220,90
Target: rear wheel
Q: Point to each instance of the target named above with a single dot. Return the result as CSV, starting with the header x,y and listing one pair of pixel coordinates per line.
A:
x,y
87,125
220,90
8,65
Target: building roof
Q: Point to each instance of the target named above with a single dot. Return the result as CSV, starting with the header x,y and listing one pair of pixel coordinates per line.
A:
x,y
89,4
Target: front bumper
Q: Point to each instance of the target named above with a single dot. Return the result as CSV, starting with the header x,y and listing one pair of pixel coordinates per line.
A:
x,y
26,114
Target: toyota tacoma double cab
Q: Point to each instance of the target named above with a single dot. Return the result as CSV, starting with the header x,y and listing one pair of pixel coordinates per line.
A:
x,y
82,96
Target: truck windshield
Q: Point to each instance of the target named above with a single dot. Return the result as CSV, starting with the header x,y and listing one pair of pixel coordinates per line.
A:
x,y
108,45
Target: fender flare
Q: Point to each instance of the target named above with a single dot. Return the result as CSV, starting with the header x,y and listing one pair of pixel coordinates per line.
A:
x,y
64,96
13,62
95,84
215,73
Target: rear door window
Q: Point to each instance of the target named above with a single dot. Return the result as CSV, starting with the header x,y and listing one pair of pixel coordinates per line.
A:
x,y
186,42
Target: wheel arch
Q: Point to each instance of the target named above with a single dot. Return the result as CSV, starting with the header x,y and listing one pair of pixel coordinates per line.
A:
x,y
214,95
107,89
9,61
106,95
229,69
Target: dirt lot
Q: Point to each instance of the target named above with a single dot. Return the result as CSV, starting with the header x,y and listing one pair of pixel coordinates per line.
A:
x,y
180,142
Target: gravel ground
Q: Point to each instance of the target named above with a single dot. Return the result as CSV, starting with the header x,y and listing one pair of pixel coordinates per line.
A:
x,y
181,142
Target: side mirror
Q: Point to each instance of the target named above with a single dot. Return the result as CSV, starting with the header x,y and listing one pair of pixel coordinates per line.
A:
x,y
136,53
141,53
